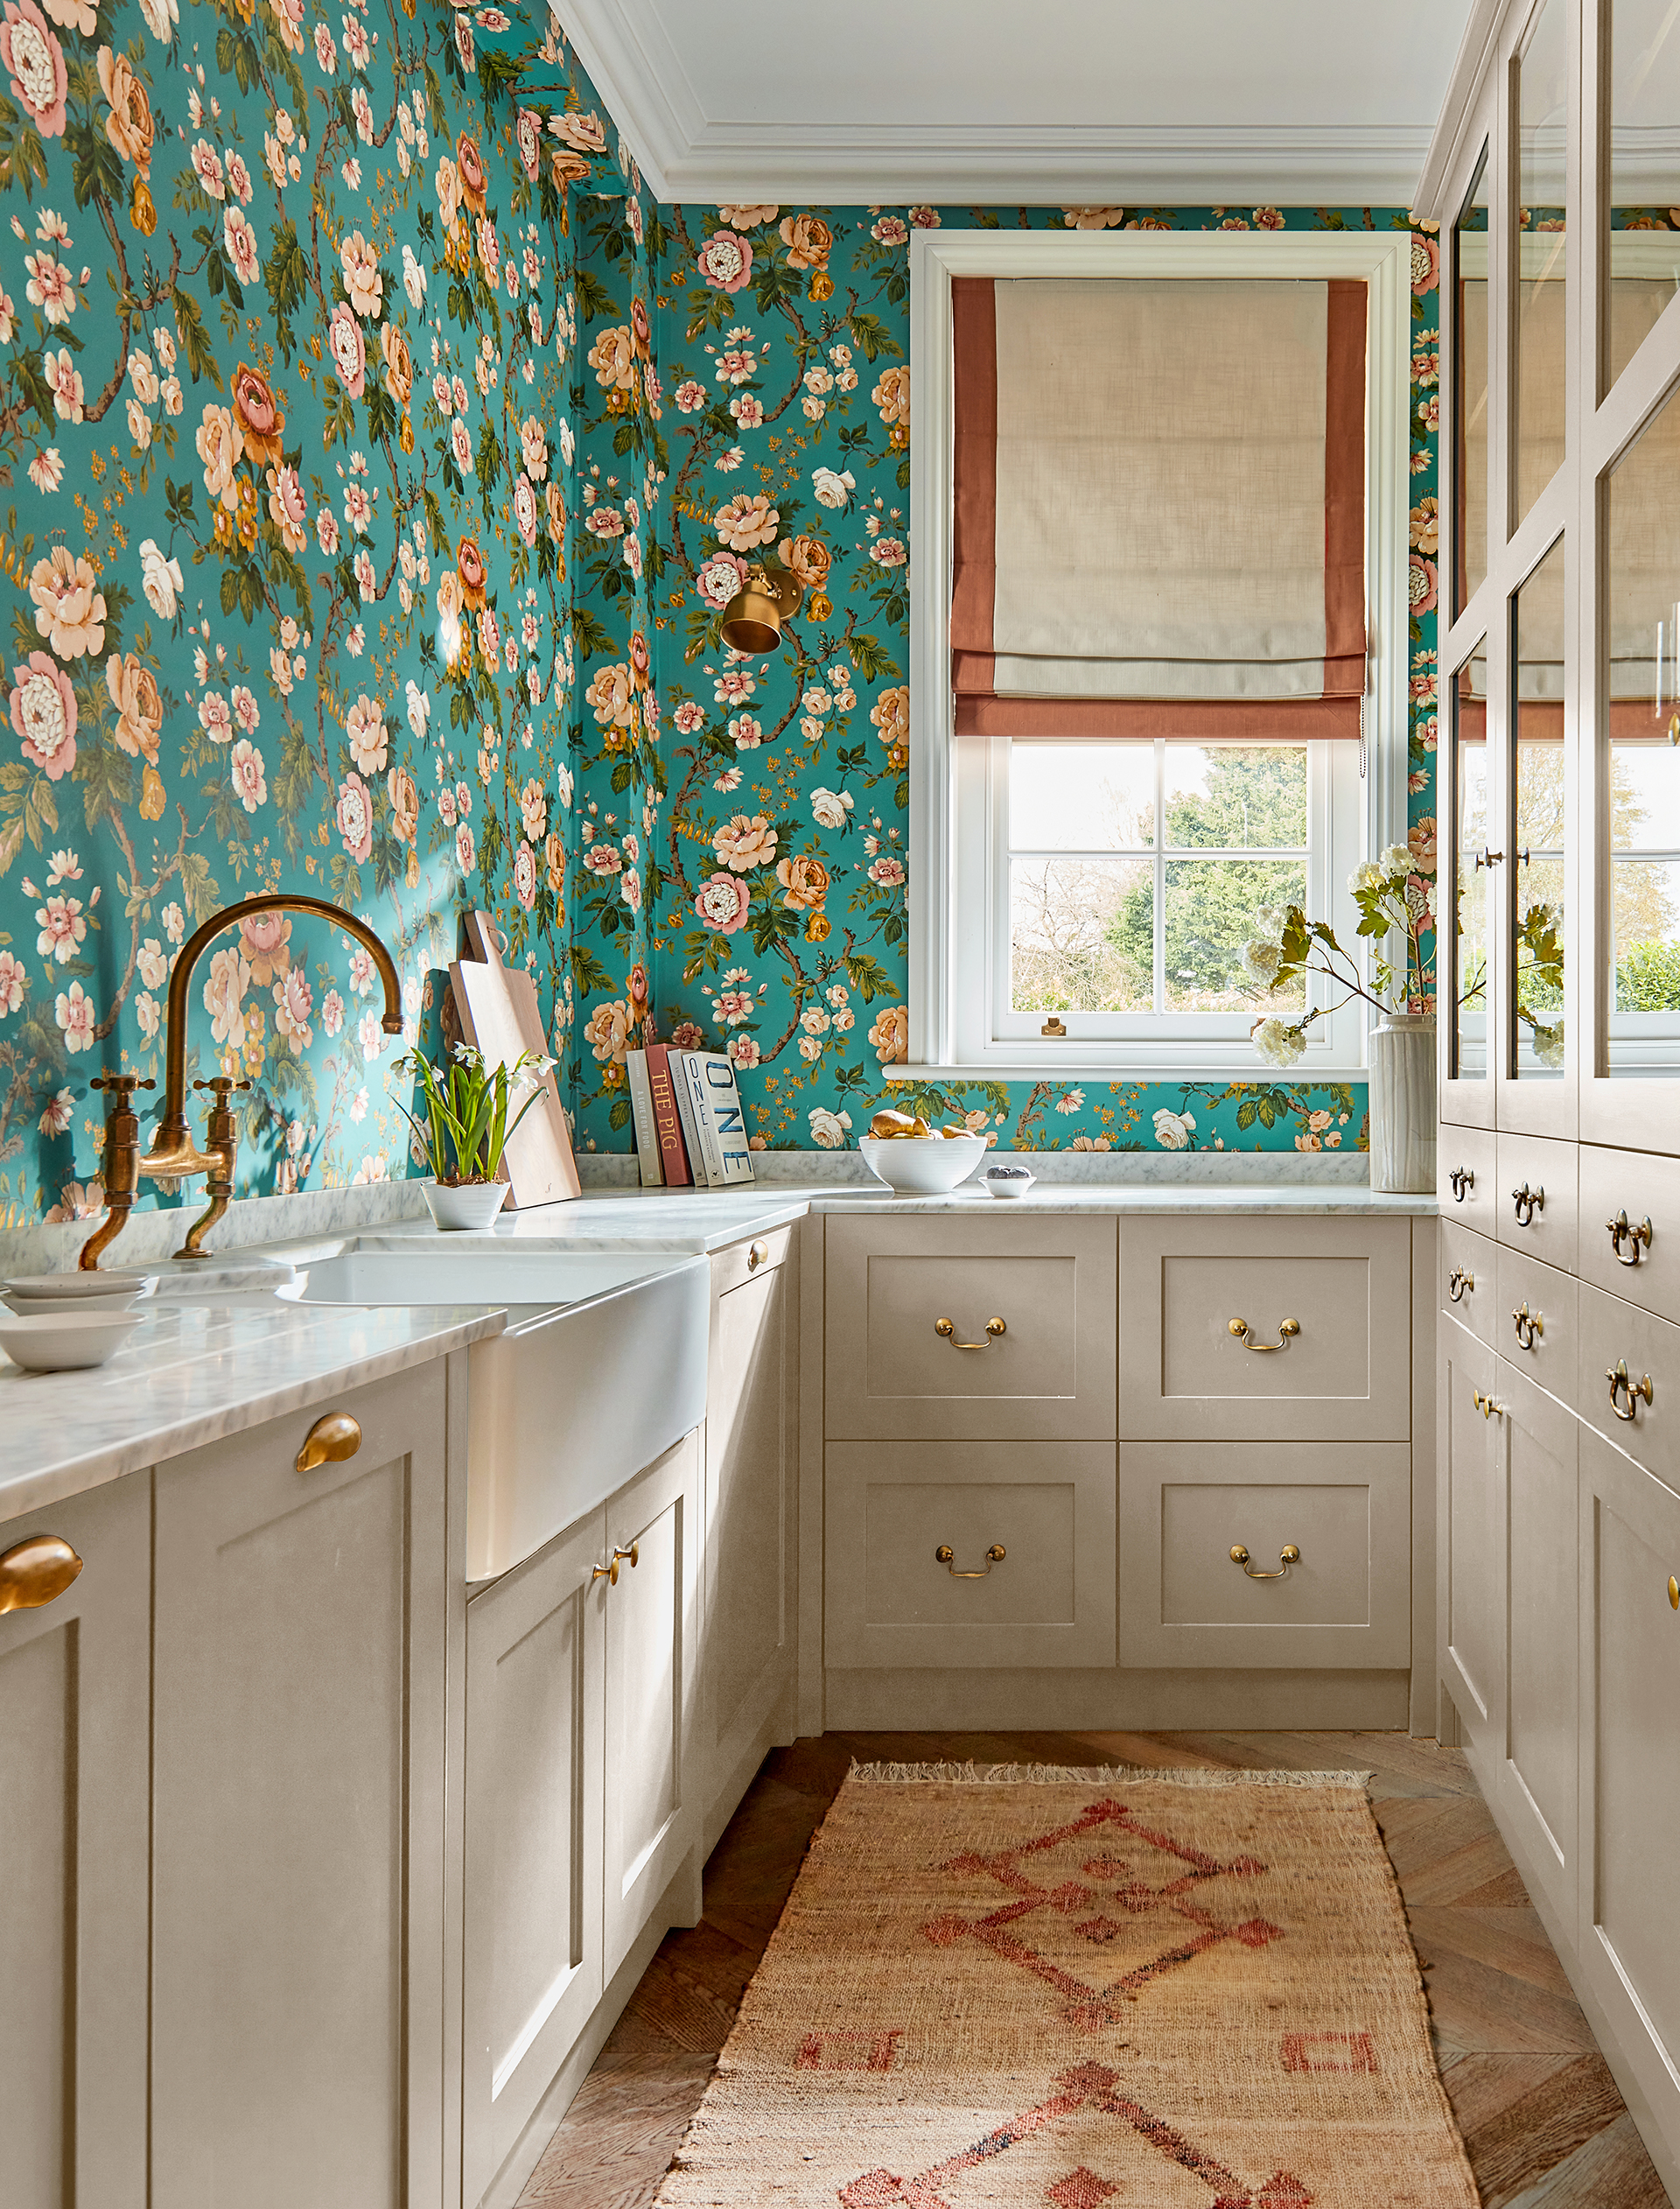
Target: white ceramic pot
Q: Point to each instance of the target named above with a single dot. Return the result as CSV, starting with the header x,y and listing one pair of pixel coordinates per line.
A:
x,y
474,1204
1403,1103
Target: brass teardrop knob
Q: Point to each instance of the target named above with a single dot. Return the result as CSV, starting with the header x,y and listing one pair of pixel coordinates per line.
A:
x,y
335,1436
33,1572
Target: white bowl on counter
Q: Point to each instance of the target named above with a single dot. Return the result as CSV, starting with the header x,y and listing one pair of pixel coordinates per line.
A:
x,y
39,1294
921,1164
1007,1181
61,1342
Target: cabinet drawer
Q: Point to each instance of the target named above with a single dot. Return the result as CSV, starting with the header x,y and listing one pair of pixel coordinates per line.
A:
x,y
893,1600
1545,1229
1185,1600
909,1352
1468,1264
747,1261
1543,1344
1646,1188
1469,1153
1612,1333
1327,1355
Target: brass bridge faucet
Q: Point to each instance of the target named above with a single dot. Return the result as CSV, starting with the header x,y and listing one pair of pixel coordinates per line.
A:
x,y
173,1156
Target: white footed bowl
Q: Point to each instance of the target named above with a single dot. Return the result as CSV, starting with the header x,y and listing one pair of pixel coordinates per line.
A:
x,y
923,1165
42,1290
1007,1181
66,1342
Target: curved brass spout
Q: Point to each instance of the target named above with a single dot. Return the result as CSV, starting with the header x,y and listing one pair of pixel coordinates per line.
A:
x,y
173,1152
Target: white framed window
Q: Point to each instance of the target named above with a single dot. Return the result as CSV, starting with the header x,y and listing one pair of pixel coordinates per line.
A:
x,y
1095,889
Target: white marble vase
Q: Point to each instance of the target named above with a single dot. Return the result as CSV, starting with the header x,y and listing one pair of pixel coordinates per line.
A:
x,y
1403,1103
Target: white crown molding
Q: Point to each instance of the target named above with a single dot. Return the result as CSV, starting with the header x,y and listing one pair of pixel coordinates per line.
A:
x,y
688,158
1460,110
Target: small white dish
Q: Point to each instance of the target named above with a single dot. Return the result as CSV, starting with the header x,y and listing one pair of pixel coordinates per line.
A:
x,y
78,1287
66,1342
921,1164
116,1299
1007,1181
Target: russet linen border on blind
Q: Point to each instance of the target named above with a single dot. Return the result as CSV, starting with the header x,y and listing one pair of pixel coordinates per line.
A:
x,y
1159,507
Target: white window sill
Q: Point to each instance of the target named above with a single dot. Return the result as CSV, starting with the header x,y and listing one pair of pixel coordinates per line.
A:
x,y
1076,1070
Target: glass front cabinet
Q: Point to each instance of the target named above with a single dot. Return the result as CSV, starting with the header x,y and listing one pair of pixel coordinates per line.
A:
x,y
1559,676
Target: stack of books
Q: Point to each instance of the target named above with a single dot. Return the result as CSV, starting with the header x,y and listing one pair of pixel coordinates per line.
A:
x,y
686,1110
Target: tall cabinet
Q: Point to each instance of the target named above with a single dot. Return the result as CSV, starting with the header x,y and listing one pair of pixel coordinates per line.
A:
x,y
1555,181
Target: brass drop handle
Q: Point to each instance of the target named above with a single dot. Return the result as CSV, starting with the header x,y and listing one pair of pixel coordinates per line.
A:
x,y
1462,1179
1528,1202
994,1328
1620,1232
944,1553
756,1255
34,1571
1531,1326
335,1436
1618,1377
1287,1555
609,1573
619,1554
1240,1328
1458,1280
1486,1405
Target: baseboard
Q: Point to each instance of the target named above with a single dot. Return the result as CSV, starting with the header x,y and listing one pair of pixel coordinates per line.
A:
x,y
924,1701
777,1728
672,1909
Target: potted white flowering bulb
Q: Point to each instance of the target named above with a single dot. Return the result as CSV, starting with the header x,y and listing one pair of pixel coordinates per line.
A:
x,y
1391,896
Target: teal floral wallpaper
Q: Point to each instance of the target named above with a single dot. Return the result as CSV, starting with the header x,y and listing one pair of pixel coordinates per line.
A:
x,y
377,460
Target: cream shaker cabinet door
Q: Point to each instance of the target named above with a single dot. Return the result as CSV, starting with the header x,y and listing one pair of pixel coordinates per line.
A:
x,y
1470,1469
651,1815
1535,1786
298,1732
751,1446
535,1708
1629,1937
73,1680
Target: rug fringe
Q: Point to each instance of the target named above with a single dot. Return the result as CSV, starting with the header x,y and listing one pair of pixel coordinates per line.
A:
x,y
891,1775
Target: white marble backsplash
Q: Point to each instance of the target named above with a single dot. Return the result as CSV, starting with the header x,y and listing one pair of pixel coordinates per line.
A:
x,y
1157,1169
156,1234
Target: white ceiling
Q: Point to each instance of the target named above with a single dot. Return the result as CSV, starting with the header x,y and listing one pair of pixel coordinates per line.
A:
x,y
1063,100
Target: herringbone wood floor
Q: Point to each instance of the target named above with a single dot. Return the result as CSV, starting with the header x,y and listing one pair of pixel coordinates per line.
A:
x,y
1540,2113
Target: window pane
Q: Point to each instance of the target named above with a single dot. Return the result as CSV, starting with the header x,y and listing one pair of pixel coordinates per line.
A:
x,y
1644,677
1470,392
1644,172
1213,908
1541,255
1238,796
1469,768
1082,797
1081,936
1538,822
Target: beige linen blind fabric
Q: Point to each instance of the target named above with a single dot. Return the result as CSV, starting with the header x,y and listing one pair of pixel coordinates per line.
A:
x,y
1159,507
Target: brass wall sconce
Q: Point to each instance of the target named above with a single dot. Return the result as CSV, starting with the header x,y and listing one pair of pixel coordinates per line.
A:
x,y
753,619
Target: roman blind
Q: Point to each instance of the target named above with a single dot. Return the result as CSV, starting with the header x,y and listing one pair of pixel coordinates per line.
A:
x,y
1160,517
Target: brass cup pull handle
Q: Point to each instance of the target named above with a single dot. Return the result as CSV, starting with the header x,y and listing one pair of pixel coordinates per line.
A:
x,y
1528,1202
629,1556
1486,1405
1620,1232
1462,1179
34,1571
947,1328
609,1573
944,1554
332,1437
1239,1328
1674,1592
1531,1326
1459,1281
757,1253
1619,1379
1287,1555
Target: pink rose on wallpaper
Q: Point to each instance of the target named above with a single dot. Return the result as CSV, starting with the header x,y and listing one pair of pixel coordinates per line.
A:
x,y
721,903
349,355
44,714
34,61
724,261
356,818
527,136
746,521
525,875
688,718
466,858
583,133
1422,584
1425,263
720,579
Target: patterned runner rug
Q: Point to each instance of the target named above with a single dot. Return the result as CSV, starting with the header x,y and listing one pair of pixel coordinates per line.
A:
x,y
1040,1986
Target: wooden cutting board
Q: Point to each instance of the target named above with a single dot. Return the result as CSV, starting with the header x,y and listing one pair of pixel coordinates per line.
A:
x,y
501,1016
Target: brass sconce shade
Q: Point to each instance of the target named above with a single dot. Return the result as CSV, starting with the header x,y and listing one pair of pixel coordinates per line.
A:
x,y
753,617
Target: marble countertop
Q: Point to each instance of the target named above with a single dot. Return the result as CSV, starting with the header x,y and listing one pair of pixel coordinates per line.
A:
x,y
191,1374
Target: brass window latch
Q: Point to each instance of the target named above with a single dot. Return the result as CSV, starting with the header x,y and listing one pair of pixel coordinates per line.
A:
x,y
1055,1029
1620,1232
1485,858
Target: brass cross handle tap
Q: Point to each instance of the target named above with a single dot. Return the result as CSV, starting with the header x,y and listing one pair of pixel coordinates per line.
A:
x,y
945,1553
947,1328
1620,1232
1287,1555
1240,1328
1528,1202
221,1149
1458,1280
1619,1379
119,1163
1531,1326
